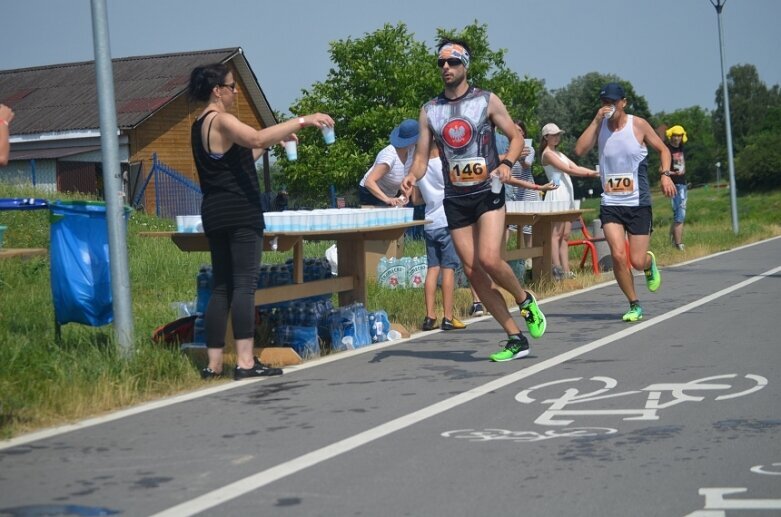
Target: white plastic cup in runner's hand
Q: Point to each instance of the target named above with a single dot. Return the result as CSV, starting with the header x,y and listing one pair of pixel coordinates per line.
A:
x,y
291,150
527,142
329,136
556,178
610,113
496,184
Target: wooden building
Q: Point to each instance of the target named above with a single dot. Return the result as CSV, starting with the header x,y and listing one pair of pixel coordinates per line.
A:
x,y
55,135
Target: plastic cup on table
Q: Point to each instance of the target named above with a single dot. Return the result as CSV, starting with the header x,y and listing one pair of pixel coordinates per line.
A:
x,y
329,136
286,222
291,150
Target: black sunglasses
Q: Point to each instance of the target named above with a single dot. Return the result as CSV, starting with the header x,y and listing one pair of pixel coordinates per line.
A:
x,y
453,61
232,85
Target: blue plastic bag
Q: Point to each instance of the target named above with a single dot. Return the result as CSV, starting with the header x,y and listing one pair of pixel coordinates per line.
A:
x,y
80,269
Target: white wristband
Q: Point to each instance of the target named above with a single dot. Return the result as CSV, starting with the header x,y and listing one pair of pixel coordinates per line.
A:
x,y
301,121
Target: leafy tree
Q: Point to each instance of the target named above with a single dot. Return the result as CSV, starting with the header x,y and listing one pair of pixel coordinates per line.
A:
x,y
758,165
749,101
755,114
375,82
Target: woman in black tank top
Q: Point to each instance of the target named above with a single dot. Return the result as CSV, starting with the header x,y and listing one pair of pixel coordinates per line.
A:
x,y
225,150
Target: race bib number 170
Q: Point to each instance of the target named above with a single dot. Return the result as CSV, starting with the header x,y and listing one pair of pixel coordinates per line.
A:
x,y
619,184
465,172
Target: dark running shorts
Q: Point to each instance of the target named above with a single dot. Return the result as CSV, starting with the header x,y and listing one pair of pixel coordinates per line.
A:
x,y
636,220
466,210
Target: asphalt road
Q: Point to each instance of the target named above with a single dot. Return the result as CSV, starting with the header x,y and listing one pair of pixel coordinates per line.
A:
x,y
677,415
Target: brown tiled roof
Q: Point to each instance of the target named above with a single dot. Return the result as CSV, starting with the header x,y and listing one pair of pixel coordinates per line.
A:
x,y
64,97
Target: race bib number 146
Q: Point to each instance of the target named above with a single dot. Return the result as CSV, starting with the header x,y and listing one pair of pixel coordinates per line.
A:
x,y
465,172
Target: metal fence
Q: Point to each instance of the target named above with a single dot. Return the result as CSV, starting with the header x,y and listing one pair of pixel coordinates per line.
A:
x,y
174,193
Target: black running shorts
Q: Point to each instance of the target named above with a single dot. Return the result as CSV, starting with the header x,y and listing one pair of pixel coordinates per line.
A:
x,y
636,220
466,210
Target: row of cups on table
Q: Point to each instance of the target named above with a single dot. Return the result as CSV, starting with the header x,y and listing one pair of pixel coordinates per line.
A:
x,y
315,220
541,206
335,218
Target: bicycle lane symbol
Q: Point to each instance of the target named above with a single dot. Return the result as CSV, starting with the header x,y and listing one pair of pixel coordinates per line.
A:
x,y
716,504
676,393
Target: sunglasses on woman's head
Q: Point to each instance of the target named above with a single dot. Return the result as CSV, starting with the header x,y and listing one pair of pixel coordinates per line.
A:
x,y
453,61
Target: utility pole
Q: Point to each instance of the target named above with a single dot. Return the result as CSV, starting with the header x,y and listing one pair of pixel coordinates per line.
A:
x,y
719,5
112,180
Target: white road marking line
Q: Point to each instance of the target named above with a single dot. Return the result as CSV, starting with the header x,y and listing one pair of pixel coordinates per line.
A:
x,y
265,477
162,403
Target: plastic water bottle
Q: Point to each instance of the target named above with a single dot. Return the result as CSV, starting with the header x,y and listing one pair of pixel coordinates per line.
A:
x,y
285,275
362,333
203,288
325,268
309,317
335,329
348,324
382,265
379,326
199,331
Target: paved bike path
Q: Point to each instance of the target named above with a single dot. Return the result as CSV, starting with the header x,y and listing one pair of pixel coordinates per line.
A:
x,y
430,427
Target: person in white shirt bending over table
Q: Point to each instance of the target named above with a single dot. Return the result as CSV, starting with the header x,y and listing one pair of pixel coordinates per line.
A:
x,y
380,185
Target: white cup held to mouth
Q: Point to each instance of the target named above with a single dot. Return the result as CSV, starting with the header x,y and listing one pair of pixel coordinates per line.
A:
x,y
610,112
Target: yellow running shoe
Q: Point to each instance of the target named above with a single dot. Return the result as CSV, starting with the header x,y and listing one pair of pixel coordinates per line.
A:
x,y
454,324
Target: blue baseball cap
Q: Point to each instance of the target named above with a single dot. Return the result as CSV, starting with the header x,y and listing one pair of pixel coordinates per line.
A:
x,y
612,91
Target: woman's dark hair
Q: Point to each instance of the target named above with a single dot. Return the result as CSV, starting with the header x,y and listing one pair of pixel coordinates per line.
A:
x,y
203,79
445,41
518,122
543,145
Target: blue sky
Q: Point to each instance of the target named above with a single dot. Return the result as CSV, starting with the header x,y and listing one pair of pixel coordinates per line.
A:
x,y
668,49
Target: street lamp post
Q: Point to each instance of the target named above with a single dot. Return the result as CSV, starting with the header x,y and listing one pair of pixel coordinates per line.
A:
x,y
719,5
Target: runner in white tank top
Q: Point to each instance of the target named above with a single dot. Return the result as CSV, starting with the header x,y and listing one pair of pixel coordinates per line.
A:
x,y
626,202
623,166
